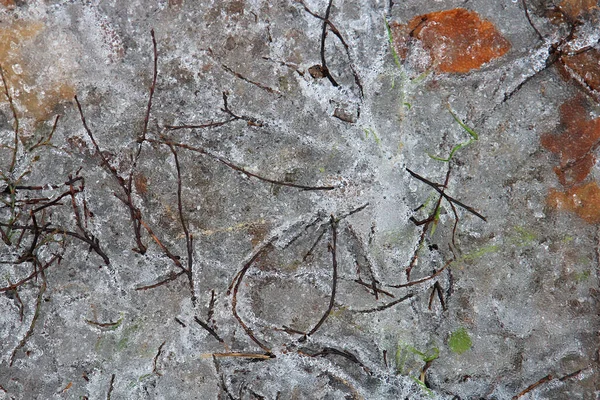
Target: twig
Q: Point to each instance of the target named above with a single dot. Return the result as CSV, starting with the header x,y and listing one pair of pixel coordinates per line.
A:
x,y
437,288
189,239
134,212
231,165
530,22
386,306
211,331
240,355
257,84
374,288
412,283
237,281
42,141
334,276
529,388
152,87
343,353
154,367
171,277
110,387
211,305
38,307
436,187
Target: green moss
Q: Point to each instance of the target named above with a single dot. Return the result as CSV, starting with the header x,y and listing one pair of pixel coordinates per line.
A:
x,y
492,248
459,341
524,236
582,276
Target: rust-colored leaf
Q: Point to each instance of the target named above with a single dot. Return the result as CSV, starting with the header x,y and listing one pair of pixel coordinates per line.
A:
x,y
584,200
585,68
141,183
10,4
574,9
457,40
575,145
34,98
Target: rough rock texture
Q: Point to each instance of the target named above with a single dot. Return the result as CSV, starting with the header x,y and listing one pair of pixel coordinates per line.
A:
x,y
252,199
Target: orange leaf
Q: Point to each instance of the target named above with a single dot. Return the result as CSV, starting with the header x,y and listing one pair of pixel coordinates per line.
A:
x,y
457,40
584,200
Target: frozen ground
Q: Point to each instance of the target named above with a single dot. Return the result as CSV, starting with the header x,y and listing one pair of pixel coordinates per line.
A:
x,y
171,249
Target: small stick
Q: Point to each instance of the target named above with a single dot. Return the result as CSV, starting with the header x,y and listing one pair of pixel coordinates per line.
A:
x,y
386,306
529,388
154,368
436,187
237,281
38,307
334,276
211,331
231,165
412,283
110,387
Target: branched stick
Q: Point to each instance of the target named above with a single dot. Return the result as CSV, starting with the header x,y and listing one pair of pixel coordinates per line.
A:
x,y
436,187
334,276
38,307
134,212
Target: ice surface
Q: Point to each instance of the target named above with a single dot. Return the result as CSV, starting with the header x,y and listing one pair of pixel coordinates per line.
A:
x,y
261,185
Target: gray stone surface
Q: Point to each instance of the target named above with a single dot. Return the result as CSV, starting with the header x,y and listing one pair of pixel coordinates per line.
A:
x,y
254,261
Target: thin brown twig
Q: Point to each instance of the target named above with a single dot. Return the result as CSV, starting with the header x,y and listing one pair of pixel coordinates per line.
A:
x,y
189,239
170,277
42,141
154,364
418,281
237,281
334,276
257,84
437,288
134,212
386,306
31,276
38,307
110,387
529,388
436,187
211,331
231,165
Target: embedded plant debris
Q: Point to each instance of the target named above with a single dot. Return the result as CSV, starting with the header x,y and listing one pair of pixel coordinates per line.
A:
x,y
457,40
221,204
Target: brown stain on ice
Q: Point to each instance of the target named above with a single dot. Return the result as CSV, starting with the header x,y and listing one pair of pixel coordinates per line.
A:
x,y
458,40
34,98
